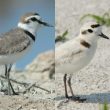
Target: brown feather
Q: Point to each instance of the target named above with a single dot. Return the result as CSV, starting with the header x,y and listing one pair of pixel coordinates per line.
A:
x,y
85,44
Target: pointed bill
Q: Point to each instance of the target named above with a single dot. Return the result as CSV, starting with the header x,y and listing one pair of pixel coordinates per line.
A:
x,y
103,36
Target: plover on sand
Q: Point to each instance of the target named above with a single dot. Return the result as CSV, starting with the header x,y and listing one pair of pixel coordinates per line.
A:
x,y
17,42
75,54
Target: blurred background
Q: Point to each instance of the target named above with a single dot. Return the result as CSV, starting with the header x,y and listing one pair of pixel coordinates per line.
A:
x,y
12,10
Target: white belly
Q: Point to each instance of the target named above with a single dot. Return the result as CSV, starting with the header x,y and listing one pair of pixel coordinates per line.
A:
x,y
77,63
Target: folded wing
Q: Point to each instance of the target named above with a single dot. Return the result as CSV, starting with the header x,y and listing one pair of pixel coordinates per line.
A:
x,y
13,42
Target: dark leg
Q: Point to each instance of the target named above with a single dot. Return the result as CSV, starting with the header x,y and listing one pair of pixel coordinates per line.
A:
x,y
69,84
71,90
64,79
10,87
73,96
7,77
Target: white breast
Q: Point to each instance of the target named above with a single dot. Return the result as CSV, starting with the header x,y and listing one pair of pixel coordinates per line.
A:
x,y
71,64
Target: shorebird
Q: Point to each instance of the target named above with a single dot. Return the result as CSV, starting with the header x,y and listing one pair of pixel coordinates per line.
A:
x,y
18,41
75,54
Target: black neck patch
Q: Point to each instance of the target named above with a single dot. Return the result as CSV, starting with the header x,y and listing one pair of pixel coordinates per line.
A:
x,y
30,35
85,44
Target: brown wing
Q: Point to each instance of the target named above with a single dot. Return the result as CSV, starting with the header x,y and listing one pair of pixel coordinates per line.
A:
x,y
13,42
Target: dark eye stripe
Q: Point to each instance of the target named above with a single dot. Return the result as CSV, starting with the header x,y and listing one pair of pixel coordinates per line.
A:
x,y
84,32
33,19
95,25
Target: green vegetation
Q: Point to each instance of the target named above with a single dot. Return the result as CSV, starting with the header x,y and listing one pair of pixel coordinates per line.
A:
x,y
105,106
61,38
104,19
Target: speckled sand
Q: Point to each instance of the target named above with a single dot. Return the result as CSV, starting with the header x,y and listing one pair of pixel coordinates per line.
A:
x,y
93,82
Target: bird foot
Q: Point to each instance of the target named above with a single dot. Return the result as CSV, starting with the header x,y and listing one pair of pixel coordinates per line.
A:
x,y
15,93
76,99
11,93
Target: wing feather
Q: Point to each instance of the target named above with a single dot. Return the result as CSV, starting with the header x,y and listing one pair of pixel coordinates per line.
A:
x,y
66,52
13,42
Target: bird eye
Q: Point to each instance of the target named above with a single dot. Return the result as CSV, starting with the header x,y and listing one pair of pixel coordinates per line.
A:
x,y
34,19
90,30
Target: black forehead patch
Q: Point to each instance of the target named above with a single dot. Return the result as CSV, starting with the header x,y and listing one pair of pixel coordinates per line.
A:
x,y
36,14
95,25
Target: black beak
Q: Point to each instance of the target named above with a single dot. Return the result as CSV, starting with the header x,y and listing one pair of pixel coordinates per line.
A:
x,y
45,24
103,36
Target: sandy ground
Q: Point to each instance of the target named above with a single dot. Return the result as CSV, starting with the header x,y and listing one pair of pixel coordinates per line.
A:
x,y
35,75
93,82
33,99
23,103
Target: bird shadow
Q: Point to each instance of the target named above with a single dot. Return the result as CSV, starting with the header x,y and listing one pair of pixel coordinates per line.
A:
x,y
92,98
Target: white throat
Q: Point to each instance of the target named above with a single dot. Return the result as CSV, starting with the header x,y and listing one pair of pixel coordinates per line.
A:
x,y
30,28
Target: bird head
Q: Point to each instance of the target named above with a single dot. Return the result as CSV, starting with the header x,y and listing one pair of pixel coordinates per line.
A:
x,y
91,32
32,22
